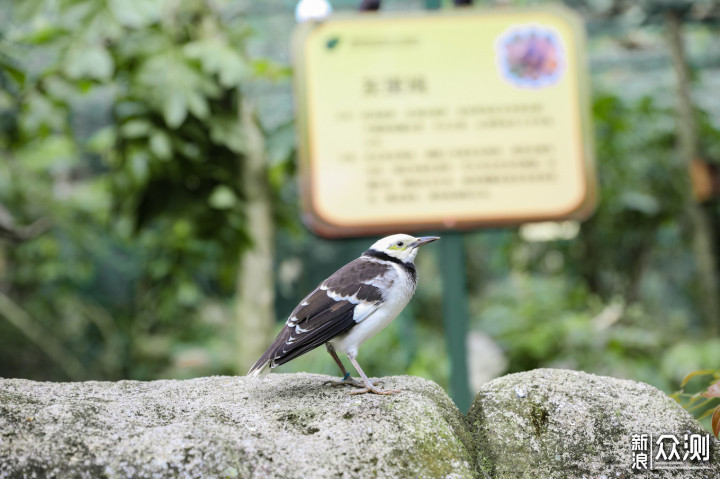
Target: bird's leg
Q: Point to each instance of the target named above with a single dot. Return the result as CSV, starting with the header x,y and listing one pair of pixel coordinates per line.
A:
x,y
346,375
369,387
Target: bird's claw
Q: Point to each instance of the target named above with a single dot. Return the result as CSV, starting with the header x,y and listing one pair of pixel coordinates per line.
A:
x,y
348,381
374,390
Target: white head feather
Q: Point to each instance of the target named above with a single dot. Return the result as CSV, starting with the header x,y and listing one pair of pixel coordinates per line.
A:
x,y
401,246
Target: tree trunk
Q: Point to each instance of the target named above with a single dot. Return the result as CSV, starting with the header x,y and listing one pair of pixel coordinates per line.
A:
x,y
703,241
50,344
255,291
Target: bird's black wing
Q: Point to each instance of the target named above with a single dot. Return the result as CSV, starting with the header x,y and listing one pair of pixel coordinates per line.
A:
x,y
331,309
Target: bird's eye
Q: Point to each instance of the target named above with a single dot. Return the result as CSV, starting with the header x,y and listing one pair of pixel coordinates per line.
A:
x,y
400,243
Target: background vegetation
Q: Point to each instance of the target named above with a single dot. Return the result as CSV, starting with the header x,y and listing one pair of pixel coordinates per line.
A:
x,y
124,217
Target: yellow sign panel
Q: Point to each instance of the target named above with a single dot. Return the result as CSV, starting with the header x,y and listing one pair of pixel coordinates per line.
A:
x,y
435,120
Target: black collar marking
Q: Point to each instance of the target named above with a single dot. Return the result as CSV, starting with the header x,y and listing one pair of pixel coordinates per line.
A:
x,y
408,267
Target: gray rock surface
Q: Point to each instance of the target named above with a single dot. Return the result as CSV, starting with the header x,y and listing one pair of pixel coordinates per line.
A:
x,y
541,424
289,425
551,423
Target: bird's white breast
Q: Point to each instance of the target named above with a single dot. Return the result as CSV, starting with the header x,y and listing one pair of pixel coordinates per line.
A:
x,y
395,298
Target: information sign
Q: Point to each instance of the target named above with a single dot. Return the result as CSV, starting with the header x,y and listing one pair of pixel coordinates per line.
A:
x,y
442,120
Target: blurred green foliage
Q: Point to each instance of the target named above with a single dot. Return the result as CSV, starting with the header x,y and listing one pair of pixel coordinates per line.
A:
x,y
702,400
120,135
120,124
620,298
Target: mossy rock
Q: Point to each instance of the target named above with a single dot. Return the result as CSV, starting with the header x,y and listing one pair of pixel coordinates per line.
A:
x,y
551,423
289,425
540,424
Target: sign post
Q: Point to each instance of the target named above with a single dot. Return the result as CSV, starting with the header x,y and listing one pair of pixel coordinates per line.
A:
x,y
455,316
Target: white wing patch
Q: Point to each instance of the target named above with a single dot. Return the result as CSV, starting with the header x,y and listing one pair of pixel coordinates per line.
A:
x,y
382,282
364,310
353,299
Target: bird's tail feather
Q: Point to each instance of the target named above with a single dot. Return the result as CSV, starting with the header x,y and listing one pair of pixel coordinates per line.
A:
x,y
259,370
267,361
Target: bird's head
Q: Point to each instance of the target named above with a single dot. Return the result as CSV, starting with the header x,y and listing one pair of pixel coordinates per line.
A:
x,y
401,246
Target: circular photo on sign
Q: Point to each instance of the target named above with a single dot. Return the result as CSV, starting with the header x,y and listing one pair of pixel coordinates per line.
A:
x,y
530,56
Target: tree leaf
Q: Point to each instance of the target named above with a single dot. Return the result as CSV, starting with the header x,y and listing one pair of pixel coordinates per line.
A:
x,y
15,73
228,131
197,104
89,62
43,32
641,202
103,26
280,143
175,109
160,145
219,58
701,372
92,196
136,129
40,113
222,198
266,68
707,413
52,152
137,13
169,82
102,140
713,391
58,87
124,110
139,166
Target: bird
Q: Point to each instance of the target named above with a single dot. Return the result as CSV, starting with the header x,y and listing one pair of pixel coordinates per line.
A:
x,y
349,307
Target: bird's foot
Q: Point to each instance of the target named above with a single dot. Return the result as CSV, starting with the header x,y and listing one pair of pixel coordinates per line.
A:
x,y
375,390
351,381
347,381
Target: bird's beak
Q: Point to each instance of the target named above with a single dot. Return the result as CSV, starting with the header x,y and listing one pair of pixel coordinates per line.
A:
x,y
424,240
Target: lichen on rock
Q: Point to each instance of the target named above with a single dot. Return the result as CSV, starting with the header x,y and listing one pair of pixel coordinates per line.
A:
x,y
289,425
551,423
542,424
